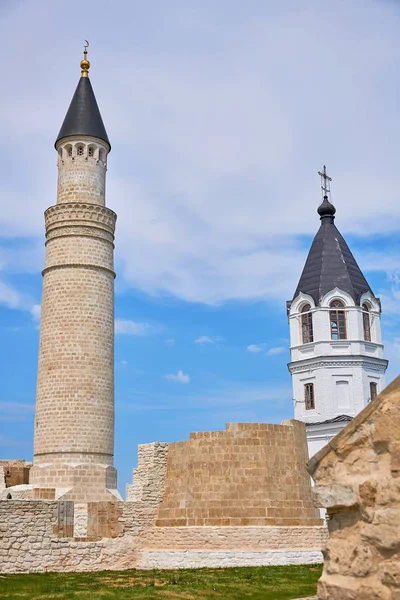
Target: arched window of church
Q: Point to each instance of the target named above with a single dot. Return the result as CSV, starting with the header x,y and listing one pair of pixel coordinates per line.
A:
x,y
366,323
306,324
102,155
309,398
79,150
91,151
69,149
337,318
373,390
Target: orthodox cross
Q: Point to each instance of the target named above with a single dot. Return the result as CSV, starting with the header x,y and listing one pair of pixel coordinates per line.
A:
x,y
325,183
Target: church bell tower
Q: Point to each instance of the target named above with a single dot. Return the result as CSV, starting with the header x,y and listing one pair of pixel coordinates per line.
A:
x,y
337,363
74,421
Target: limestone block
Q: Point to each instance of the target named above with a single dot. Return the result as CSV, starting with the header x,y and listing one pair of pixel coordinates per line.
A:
x,y
334,496
367,492
358,439
383,537
374,592
386,429
390,573
387,516
178,559
345,589
346,558
2,479
388,491
395,459
328,590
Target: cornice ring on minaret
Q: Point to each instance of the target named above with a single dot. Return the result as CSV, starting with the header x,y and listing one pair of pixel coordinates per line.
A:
x,y
81,266
75,213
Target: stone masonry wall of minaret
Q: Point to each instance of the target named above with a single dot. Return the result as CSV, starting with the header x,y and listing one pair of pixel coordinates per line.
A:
x,y
74,422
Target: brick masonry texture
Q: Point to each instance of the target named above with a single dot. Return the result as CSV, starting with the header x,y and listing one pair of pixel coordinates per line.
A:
x,y
250,474
37,536
74,422
82,178
197,559
358,481
14,472
84,536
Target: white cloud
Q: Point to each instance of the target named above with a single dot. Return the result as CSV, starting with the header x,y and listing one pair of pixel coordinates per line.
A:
x,y
36,312
277,350
124,326
255,348
207,214
11,407
12,442
206,339
170,342
15,411
9,296
180,377
227,396
392,354
16,300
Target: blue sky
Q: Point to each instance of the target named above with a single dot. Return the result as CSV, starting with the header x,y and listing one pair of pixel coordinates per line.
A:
x,y
220,114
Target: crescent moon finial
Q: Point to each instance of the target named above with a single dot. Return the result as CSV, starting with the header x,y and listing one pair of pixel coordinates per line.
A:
x,y
85,64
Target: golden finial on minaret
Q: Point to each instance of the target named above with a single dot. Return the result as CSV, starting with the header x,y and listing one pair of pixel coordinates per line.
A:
x,y
85,64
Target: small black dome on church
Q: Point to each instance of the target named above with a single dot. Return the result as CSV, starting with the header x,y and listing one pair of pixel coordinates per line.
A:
x,y
326,208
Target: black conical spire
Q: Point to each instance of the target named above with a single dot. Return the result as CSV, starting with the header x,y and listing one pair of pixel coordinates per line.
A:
x,y
83,116
330,263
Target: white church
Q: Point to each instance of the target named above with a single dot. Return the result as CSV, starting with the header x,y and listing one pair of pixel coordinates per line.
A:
x,y
337,363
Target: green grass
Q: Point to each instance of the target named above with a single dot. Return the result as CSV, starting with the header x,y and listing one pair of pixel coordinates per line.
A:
x,y
245,583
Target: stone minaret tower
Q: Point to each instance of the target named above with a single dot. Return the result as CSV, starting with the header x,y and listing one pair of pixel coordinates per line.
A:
x,y
337,363
74,422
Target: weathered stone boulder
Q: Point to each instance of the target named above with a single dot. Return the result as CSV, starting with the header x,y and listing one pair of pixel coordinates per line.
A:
x,y
357,477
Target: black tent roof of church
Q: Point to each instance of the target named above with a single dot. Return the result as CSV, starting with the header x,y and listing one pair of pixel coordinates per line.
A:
x,y
83,116
338,419
330,263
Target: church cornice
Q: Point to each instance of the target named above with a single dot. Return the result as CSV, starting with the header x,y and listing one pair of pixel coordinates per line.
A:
x,y
374,364
337,343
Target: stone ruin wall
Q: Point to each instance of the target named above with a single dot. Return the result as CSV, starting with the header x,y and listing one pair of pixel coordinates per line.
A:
x,y
250,474
14,472
47,535
39,536
358,480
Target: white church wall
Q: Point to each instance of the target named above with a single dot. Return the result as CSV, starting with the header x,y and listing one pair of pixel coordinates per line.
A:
x,y
340,370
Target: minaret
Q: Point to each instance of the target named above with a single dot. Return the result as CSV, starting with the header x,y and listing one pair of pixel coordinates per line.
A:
x,y
74,422
337,363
